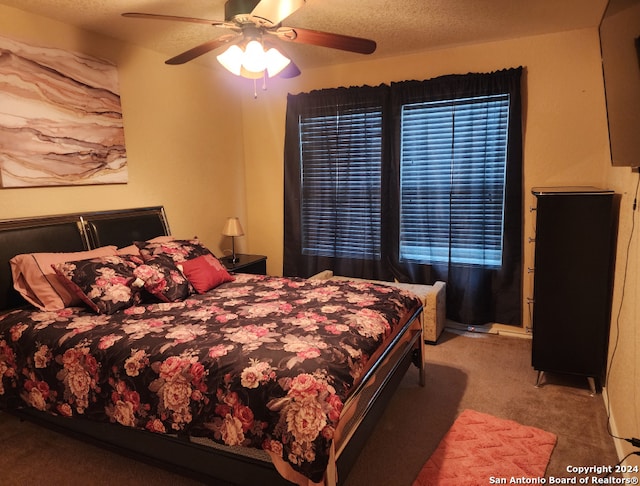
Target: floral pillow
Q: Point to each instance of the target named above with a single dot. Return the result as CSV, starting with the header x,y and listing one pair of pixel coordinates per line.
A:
x,y
178,250
132,249
106,284
163,279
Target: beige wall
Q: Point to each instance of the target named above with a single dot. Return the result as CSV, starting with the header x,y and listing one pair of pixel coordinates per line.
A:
x,y
182,134
623,388
565,140
202,146
565,143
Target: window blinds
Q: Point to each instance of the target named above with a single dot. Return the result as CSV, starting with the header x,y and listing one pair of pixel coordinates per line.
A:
x,y
341,166
453,160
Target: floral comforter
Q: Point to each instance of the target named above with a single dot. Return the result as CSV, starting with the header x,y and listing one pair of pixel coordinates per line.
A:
x,y
265,362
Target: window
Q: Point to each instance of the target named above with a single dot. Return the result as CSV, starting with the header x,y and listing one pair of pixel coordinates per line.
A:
x,y
452,181
452,186
414,180
341,167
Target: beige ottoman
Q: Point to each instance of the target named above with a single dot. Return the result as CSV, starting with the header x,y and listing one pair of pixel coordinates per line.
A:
x,y
434,307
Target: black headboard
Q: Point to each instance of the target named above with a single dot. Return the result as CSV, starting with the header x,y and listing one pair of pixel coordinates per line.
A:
x,y
73,232
121,228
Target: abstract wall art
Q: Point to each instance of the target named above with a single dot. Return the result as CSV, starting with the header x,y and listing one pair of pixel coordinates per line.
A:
x,y
60,118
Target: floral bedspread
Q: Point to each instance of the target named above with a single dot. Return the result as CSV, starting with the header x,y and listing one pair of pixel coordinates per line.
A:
x,y
265,362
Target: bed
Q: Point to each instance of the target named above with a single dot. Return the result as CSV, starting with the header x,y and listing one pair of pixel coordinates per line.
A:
x,y
149,347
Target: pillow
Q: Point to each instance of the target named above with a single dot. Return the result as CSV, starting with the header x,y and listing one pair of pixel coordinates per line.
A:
x,y
205,272
38,283
178,250
129,250
132,249
106,284
163,279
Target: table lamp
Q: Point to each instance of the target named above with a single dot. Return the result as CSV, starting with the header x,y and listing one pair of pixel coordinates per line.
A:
x,y
233,228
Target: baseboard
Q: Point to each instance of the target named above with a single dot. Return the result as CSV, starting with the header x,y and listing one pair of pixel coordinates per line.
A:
x,y
618,443
464,328
491,328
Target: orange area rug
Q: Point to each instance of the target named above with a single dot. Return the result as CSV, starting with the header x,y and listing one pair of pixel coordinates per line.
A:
x,y
479,449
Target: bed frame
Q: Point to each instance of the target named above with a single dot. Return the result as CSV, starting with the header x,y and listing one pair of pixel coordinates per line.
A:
x,y
84,231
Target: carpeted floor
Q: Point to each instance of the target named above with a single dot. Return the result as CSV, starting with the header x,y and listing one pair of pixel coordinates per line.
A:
x,y
487,373
490,374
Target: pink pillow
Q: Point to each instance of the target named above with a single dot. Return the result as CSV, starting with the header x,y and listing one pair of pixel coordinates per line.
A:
x,y
129,250
205,272
36,281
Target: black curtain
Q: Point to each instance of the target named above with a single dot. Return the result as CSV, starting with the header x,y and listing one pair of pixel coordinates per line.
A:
x,y
319,104
475,295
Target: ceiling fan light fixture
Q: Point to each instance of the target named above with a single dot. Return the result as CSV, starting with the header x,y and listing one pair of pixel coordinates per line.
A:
x,y
254,58
276,61
255,20
252,61
231,59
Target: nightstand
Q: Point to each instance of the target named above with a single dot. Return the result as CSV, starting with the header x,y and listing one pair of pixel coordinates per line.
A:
x,y
256,264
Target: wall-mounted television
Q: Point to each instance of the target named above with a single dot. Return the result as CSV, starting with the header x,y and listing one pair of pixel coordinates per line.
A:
x,y
620,49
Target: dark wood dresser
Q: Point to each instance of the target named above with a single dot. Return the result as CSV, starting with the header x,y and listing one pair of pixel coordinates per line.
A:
x,y
572,281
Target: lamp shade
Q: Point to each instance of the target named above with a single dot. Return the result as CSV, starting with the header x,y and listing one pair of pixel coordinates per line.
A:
x,y
231,59
254,58
232,227
276,61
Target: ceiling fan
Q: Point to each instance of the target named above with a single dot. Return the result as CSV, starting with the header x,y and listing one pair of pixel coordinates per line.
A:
x,y
255,24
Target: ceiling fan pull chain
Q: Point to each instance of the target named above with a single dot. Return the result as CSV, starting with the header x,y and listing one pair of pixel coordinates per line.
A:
x,y
255,90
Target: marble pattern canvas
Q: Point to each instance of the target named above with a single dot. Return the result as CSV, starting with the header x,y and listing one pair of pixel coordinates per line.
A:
x,y
60,118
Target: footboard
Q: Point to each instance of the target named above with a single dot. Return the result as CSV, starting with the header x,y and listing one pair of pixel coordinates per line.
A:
x,y
377,393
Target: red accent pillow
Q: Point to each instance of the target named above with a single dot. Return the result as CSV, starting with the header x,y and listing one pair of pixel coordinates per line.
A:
x,y
205,272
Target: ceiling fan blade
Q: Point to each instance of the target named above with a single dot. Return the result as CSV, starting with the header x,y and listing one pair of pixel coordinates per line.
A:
x,y
327,39
275,11
291,71
197,51
139,15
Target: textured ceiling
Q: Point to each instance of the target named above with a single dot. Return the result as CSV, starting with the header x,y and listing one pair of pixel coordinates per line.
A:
x,y
398,26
